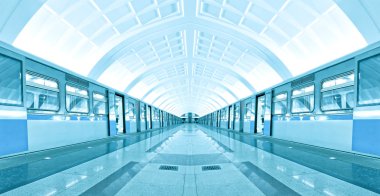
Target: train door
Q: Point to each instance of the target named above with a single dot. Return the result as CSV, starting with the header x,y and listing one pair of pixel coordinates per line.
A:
x,y
131,121
142,117
230,117
149,117
119,108
260,114
217,118
161,119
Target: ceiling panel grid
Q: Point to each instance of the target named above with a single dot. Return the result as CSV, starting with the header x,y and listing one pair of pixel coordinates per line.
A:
x,y
192,56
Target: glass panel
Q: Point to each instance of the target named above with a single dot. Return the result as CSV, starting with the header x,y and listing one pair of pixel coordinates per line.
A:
x,y
41,81
237,112
303,99
260,114
76,104
342,80
230,119
369,83
280,107
303,104
248,110
99,104
119,107
303,91
142,112
280,104
281,97
148,117
156,114
99,97
338,99
100,107
131,111
10,81
41,99
76,90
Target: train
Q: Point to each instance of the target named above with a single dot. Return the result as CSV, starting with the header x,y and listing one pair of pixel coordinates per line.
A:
x,y
43,106
336,106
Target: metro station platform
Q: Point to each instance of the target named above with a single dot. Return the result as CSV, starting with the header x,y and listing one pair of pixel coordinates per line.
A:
x,y
190,159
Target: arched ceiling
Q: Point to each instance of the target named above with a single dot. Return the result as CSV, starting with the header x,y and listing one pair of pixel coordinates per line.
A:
x,y
189,55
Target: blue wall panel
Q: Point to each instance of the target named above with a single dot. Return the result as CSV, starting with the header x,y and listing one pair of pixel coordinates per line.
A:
x,y
366,136
128,126
112,127
267,128
13,136
252,127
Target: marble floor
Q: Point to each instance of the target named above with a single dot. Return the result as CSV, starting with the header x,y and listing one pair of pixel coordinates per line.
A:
x,y
190,160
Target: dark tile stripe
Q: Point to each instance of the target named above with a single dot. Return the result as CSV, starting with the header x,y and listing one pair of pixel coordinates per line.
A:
x,y
226,148
262,180
188,160
314,158
116,181
154,148
28,172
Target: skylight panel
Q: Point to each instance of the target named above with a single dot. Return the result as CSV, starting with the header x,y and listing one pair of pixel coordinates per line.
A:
x,y
231,16
211,9
240,5
118,13
168,10
127,25
139,5
148,17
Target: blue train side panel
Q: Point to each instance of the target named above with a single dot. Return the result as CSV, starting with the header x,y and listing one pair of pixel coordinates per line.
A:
x,y
112,128
13,136
111,114
267,126
366,136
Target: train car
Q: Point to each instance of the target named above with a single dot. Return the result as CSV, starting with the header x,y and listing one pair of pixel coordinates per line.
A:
x,y
143,117
366,114
13,114
336,106
249,115
155,118
43,107
131,115
224,118
299,117
59,105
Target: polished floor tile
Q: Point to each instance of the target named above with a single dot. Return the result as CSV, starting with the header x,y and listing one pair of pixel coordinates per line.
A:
x,y
190,160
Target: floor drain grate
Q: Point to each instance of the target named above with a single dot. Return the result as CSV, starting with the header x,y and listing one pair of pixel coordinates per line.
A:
x,y
168,167
211,167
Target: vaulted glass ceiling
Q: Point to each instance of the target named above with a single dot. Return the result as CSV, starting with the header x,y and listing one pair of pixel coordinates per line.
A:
x,y
189,55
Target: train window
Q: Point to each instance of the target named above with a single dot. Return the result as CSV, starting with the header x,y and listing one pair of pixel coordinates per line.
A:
x,y
156,114
42,93
280,104
131,114
76,99
99,103
338,93
303,99
10,81
249,110
369,83
237,112
142,111
223,114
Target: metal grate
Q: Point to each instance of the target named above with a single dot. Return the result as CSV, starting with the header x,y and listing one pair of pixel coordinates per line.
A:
x,y
211,167
168,167
303,80
77,80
